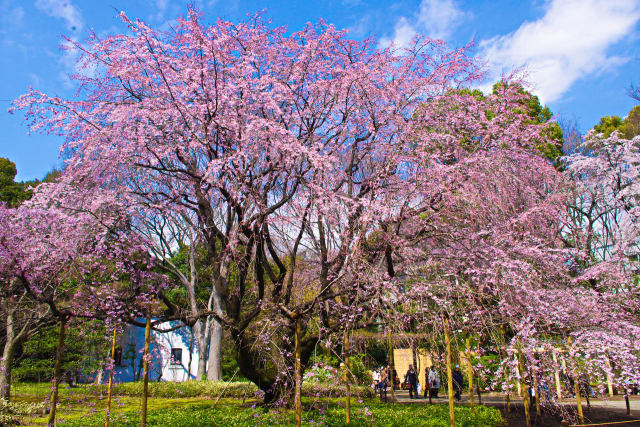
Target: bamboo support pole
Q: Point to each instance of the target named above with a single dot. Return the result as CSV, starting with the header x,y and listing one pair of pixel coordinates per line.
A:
x,y
525,388
298,370
391,365
503,354
347,364
556,374
145,375
470,369
447,338
113,356
57,372
576,384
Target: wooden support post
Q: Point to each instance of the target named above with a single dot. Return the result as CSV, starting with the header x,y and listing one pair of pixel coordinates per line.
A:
x,y
447,338
520,374
145,375
576,384
536,389
626,401
391,365
347,364
298,371
556,374
57,372
609,378
503,354
113,355
526,399
470,370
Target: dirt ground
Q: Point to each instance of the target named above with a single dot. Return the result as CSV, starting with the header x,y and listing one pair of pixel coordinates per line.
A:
x,y
553,417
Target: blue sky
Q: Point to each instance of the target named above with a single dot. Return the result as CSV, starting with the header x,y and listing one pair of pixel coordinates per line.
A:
x,y
580,55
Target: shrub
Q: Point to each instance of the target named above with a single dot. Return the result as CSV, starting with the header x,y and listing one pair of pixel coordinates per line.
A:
x,y
215,389
12,412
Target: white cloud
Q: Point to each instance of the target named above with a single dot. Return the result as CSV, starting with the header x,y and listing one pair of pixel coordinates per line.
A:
x,y
63,9
434,18
569,42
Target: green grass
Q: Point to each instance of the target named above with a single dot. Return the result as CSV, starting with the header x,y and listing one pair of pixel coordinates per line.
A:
x,y
87,409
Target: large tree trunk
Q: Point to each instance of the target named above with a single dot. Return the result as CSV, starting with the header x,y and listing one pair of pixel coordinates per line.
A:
x,y
57,372
13,337
7,357
214,368
201,339
250,365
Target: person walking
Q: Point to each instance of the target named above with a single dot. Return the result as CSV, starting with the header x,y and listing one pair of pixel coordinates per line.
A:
x,y
411,377
434,382
457,382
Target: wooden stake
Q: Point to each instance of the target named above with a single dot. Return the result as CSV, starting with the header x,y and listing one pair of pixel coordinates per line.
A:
x,y
556,374
447,339
57,372
503,354
298,370
626,400
576,386
609,378
391,365
470,369
525,387
145,375
534,374
113,356
347,364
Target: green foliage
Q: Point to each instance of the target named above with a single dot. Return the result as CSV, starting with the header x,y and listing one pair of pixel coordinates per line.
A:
x,y
11,193
360,372
85,406
608,124
551,147
321,373
490,364
85,348
369,413
628,128
228,363
216,389
11,413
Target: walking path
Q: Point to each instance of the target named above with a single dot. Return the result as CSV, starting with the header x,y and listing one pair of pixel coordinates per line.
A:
x,y
615,402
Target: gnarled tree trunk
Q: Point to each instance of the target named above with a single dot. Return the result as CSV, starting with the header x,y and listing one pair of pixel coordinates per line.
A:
x,y
214,368
8,354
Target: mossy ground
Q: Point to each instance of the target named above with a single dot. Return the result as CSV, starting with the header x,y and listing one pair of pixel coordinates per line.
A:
x,y
82,406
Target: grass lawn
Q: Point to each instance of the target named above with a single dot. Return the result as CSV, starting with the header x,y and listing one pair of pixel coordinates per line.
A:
x,y
79,407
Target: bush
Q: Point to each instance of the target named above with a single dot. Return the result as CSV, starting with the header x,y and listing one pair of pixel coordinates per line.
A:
x,y
321,373
215,389
360,372
12,412
85,350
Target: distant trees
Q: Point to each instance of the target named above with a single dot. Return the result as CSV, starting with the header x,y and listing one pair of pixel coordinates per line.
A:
x,y
627,127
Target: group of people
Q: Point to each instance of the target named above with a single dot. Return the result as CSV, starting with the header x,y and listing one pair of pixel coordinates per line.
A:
x,y
433,382
382,380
